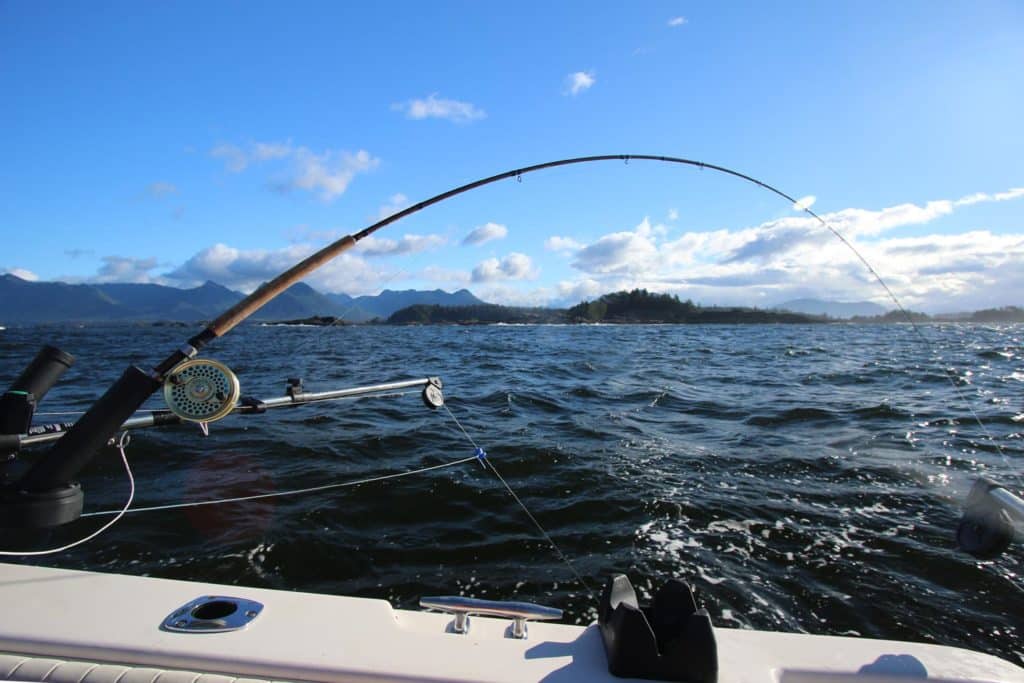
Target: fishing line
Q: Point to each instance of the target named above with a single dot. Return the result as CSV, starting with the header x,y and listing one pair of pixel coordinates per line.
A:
x,y
122,445
960,395
56,465
70,454
279,494
920,334
481,455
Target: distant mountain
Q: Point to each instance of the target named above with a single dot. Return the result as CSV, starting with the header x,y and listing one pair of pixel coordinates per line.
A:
x,y
157,302
349,309
22,301
833,309
387,302
298,301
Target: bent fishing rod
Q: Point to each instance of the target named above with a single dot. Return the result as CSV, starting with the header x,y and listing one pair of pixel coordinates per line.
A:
x,y
49,481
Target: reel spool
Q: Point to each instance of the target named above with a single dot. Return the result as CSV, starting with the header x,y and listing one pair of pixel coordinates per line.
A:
x,y
201,390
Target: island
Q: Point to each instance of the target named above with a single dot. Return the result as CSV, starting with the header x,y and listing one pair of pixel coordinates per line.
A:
x,y
621,308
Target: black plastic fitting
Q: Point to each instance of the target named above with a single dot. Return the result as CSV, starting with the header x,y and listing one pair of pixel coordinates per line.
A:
x,y
671,640
18,404
43,372
61,465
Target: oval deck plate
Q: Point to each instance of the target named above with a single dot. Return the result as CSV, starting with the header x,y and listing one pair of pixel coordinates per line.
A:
x,y
212,614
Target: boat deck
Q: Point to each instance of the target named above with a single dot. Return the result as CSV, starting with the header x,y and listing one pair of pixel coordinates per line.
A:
x,y
85,627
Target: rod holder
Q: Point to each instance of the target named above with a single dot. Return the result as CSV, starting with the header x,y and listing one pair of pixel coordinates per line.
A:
x,y
18,404
61,465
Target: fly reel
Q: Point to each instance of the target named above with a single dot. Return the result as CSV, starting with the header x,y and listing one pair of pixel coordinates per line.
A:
x,y
201,390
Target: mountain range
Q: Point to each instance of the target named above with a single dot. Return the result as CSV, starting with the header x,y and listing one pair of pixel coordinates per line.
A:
x,y
22,301
833,309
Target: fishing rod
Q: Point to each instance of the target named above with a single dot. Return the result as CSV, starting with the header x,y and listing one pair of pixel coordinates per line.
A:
x,y
48,484
295,396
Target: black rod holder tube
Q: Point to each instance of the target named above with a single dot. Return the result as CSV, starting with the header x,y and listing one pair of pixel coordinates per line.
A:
x,y
91,432
43,372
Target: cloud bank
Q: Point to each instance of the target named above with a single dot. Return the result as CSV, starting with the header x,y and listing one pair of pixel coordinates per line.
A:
x,y
796,256
246,269
327,173
763,264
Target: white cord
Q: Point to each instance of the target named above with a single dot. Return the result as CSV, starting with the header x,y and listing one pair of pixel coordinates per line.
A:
x,y
122,444
259,496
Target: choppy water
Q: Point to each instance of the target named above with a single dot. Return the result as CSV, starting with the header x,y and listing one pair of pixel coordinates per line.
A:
x,y
803,478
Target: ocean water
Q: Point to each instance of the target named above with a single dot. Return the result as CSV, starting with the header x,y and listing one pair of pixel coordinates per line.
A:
x,y
803,478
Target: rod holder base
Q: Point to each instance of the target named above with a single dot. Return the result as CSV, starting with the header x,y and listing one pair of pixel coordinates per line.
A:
x,y
40,509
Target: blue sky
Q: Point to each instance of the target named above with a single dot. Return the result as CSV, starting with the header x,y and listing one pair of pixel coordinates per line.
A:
x,y
179,142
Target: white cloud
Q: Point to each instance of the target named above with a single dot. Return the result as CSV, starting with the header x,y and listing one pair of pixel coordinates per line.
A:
x,y
509,295
329,173
326,173
20,273
804,202
395,203
621,252
409,244
562,244
435,107
126,269
486,233
1014,193
979,197
515,266
676,21
794,256
673,215
574,291
578,81
246,269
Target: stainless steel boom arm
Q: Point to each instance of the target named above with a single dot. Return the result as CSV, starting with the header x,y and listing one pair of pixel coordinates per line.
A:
x,y
162,418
